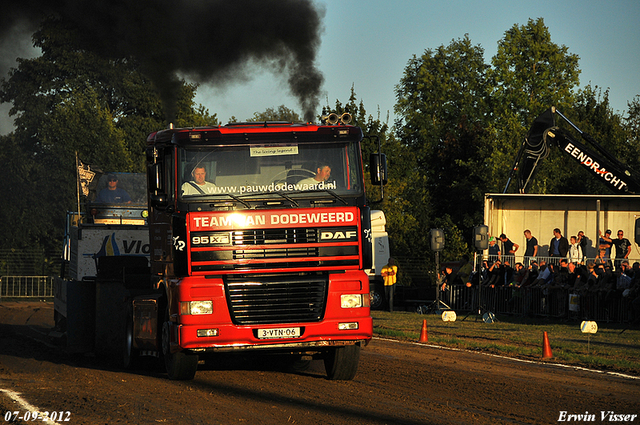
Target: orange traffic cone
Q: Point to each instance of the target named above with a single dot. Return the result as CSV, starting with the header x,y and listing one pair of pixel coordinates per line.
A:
x,y
424,337
546,348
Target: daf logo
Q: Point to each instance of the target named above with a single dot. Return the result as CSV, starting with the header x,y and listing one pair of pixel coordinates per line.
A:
x,y
337,235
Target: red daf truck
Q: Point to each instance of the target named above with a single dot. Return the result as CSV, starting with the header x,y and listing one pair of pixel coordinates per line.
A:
x,y
259,235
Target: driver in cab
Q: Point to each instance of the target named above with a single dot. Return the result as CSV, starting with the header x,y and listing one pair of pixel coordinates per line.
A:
x,y
199,185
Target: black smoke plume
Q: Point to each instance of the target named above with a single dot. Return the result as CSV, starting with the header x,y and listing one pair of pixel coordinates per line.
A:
x,y
209,41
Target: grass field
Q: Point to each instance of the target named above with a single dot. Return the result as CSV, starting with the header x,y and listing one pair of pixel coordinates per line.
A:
x,y
612,348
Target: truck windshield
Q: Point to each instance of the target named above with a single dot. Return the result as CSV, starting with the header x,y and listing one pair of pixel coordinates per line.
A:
x,y
282,169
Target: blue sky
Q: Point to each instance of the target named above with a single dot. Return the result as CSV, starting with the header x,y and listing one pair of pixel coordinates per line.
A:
x,y
367,43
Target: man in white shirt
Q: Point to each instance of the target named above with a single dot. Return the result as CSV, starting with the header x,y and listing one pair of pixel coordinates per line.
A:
x,y
199,186
322,175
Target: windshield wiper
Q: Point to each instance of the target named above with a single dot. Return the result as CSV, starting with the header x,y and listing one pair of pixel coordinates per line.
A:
x,y
311,192
235,198
288,198
335,195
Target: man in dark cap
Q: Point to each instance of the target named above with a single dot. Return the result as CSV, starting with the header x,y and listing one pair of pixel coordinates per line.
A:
x,y
112,194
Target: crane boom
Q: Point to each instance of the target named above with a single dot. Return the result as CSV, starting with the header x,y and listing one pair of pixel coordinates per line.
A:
x,y
544,132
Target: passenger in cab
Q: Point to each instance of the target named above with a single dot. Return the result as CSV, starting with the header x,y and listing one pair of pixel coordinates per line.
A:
x,y
323,172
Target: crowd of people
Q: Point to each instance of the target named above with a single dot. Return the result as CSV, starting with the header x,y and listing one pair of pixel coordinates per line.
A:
x,y
597,279
565,269
574,249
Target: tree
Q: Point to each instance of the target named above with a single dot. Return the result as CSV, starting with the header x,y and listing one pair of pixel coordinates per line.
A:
x,y
632,126
70,100
444,114
530,73
593,114
402,226
281,113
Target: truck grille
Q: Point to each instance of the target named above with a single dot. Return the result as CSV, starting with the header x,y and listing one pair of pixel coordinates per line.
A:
x,y
261,249
273,300
274,236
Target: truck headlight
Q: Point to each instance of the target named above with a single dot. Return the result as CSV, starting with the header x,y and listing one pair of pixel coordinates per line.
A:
x,y
196,307
351,300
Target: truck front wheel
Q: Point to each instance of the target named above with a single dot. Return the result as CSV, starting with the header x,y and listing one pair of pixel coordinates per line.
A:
x,y
377,298
341,363
131,355
180,365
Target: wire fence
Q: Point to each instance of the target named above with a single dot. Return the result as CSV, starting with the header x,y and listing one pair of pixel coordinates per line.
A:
x,y
29,262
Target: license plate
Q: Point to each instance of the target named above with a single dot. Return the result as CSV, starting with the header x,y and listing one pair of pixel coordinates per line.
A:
x,y
279,333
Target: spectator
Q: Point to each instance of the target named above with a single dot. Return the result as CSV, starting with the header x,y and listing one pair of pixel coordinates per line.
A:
x,y
444,278
508,248
559,245
592,280
389,275
494,274
517,281
582,241
624,276
507,273
572,275
545,275
532,274
561,276
575,251
601,258
633,295
623,248
582,275
518,275
494,249
531,251
483,273
605,242
635,271
462,276
443,284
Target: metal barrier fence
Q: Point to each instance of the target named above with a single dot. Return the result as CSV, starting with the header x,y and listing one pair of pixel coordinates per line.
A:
x,y
26,286
513,259
542,302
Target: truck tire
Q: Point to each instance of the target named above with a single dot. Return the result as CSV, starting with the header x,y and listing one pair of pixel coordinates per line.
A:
x,y
376,297
130,355
299,365
376,293
180,366
341,363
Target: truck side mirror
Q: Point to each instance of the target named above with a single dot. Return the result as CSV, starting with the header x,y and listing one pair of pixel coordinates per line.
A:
x,y
158,198
156,175
378,168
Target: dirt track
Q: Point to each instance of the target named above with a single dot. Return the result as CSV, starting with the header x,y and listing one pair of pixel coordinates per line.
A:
x,y
397,383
